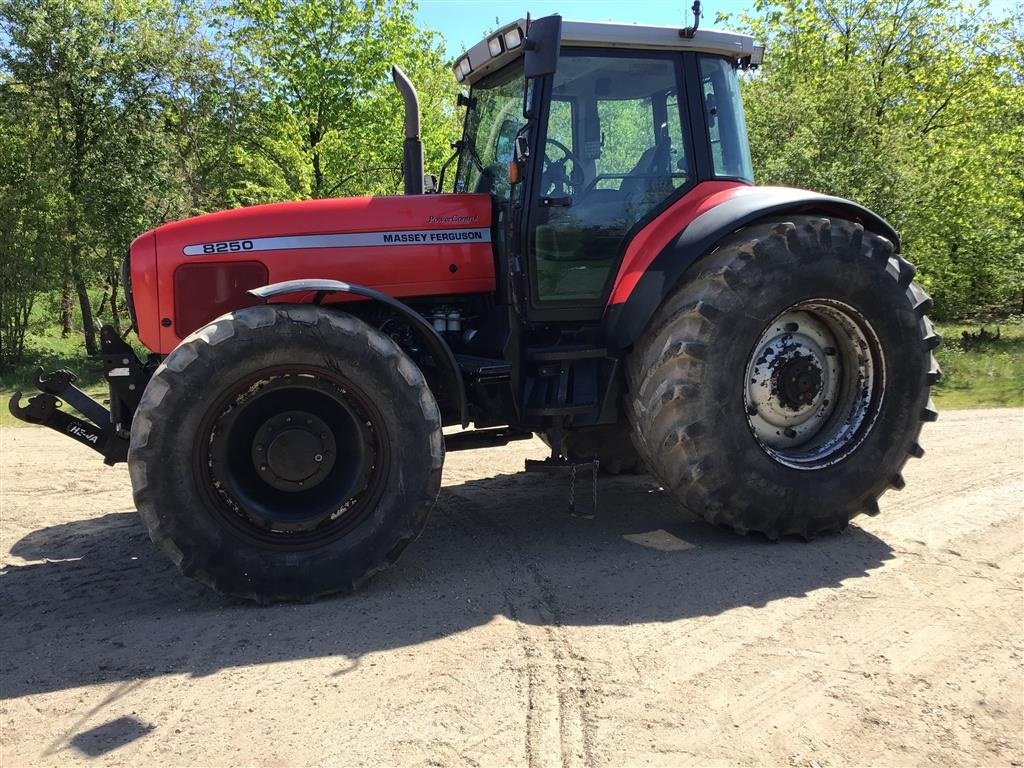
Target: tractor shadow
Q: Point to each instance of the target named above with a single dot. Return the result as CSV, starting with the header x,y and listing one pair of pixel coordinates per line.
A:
x,y
99,605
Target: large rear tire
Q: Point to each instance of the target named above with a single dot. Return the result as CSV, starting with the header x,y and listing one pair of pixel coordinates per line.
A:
x,y
782,387
285,452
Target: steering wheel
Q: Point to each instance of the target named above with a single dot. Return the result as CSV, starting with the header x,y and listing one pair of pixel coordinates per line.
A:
x,y
559,181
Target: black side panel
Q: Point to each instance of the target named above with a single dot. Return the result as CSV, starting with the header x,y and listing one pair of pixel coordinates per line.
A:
x,y
623,323
437,346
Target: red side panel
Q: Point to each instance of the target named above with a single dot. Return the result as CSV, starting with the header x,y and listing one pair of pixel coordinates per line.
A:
x,y
653,238
203,292
416,245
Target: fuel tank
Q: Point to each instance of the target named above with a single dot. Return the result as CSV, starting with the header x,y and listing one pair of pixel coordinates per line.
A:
x,y
186,273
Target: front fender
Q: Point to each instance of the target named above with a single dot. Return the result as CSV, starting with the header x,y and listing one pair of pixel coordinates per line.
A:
x,y
627,314
437,346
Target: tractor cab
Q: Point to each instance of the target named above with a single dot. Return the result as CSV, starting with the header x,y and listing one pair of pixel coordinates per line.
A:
x,y
583,132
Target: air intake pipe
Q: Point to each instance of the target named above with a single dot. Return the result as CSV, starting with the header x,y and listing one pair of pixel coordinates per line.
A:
x,y
412,154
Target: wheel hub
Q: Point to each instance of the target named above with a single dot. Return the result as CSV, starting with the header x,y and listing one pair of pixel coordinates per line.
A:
x,y
294,458
814,383
798,382
293,451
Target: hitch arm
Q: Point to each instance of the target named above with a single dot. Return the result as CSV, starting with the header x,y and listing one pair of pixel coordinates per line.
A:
x,y
44,409
59,384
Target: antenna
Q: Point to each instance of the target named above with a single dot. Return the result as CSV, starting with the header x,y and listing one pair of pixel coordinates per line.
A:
x,y
689,32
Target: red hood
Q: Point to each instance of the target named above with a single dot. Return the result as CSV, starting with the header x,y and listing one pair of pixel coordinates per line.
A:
x,y
350,214
187,272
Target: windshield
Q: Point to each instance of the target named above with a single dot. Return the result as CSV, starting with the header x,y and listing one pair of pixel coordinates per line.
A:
x,y
492,123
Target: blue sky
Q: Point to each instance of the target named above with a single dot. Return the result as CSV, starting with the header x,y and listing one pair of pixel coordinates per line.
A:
x,y
463,22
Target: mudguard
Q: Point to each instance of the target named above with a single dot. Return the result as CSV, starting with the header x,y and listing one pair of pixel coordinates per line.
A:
x,y
438,348
627,316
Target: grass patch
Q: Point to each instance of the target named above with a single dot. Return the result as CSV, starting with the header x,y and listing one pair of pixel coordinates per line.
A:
x,y
981,373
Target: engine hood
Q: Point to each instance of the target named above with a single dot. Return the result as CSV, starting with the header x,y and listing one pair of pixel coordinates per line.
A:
x,y
188,272
326,217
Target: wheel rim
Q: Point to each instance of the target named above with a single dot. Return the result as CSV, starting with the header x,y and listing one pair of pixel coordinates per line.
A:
x,y
292,458
814,384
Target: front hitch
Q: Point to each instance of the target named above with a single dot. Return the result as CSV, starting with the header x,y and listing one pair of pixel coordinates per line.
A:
x,y
105,431
44,409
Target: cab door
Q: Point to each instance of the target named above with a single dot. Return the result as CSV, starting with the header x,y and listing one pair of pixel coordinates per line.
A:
x,y
612,151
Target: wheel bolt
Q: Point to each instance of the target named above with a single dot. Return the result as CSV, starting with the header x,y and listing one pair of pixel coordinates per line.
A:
x,y
287,419
318,457
323,435
309,421
263,467
259,448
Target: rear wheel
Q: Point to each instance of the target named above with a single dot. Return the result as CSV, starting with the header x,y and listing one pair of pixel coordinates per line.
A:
x,y
285,453
782,388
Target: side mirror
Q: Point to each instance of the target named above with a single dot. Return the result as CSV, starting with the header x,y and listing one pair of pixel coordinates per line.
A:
x,y
522,149
543,39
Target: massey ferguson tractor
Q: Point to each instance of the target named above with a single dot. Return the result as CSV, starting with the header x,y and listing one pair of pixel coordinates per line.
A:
x,y
604,274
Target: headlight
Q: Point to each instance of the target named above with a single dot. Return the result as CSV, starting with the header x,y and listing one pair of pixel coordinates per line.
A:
x,y
462,68
513,38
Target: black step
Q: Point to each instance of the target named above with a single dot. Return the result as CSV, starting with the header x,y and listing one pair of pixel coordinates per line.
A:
x,y
471,365
553,354
562,410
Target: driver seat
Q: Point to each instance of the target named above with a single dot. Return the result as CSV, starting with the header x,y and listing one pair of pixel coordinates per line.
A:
x,y
651,172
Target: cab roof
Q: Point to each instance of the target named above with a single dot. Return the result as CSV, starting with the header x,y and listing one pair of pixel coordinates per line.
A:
x,y
501,46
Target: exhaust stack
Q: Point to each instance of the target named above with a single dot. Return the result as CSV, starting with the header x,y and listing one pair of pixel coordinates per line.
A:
x,y
412,154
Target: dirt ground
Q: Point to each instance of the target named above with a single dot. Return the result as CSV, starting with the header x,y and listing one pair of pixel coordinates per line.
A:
x,y
512,634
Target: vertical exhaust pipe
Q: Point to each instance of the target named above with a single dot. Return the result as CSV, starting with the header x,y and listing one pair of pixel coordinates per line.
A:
x,y
412,154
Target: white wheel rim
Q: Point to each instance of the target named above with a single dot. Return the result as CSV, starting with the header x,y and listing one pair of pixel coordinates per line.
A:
x,y
814,384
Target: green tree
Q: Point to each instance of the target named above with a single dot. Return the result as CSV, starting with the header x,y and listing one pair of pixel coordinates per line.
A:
x,y
97,80
912,107
29,220
326,119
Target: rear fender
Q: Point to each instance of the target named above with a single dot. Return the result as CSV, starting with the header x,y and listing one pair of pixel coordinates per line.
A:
x,y
432,341
635,301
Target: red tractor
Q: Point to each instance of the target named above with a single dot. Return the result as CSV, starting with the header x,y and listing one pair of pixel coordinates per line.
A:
x,y
604,274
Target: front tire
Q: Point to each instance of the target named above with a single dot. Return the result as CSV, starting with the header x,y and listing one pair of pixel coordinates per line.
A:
x,y
782,387
285,452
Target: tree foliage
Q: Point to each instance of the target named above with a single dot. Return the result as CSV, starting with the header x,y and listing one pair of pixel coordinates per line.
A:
x,y
94,81
330,120
914,108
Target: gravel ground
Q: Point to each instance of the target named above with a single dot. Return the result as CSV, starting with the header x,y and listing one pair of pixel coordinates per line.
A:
x,y
513,634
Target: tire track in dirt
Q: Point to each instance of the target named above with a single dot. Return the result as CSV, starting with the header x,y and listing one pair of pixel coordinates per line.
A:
x,y
546,647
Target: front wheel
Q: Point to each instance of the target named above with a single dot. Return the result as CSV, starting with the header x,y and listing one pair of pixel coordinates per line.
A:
x,y
783,386
285,452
